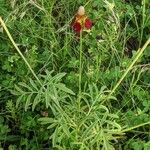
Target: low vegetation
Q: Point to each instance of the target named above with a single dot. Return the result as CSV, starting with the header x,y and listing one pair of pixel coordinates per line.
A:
x,y
65,91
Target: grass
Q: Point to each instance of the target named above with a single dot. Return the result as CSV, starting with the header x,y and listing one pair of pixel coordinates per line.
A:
x,y
102,99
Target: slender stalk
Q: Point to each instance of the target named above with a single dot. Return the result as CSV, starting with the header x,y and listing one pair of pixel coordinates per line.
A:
x,y
139,53
137,126
79,83
143,21
80,68
18,50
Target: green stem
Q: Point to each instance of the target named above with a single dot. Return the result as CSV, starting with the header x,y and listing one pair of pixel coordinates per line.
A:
x,y
80,68
139,53
137,126
143,21
18,50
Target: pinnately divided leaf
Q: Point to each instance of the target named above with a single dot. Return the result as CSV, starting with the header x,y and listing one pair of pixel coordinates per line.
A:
x,y
62,87
50,92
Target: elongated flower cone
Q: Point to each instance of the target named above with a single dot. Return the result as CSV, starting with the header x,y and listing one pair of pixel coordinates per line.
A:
x,y
81,21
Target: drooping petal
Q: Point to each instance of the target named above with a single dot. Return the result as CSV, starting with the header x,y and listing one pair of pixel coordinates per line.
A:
x,y
88,23
81,21
76,26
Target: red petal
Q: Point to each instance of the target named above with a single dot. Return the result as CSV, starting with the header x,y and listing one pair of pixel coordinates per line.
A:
x,y
88,23
76,27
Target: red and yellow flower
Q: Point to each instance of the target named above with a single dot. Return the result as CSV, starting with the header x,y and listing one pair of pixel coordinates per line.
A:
x,y
81,21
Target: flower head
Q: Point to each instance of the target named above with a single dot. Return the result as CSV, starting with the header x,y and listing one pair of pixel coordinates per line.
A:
x,y
81,21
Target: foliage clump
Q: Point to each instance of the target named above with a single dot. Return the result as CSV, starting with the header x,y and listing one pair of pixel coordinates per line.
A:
x,y
60,90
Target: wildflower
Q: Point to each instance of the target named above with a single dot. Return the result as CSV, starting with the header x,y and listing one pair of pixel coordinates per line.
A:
x,y
81,21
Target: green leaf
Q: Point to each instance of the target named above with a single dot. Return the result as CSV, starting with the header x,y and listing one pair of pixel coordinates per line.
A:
x,y
59,76
64,88
66,129
36,100
25,85
52,125
19,90
14,92
55,137
46,120
88,130
33,84
47,96
19,100
28,102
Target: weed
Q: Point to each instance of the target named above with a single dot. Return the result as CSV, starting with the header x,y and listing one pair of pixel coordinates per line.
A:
x,y
60,91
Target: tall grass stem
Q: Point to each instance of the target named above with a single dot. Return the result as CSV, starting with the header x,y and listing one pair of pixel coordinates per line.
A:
x,y
18,50
139,53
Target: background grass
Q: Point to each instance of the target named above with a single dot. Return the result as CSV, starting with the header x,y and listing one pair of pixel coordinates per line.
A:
x,y
93,91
